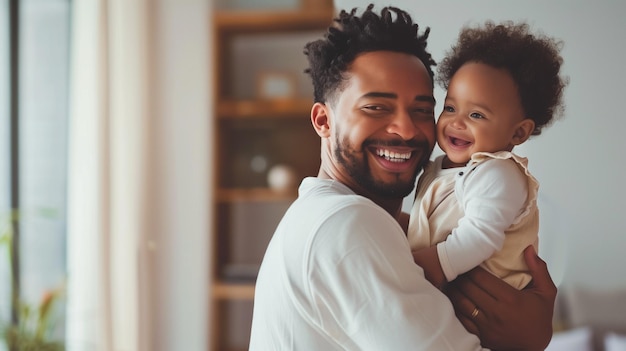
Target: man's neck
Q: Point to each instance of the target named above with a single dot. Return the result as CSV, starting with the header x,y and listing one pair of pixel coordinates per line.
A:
x,y
392,206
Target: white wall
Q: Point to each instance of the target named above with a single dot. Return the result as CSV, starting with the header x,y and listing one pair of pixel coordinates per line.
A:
x,y
578,159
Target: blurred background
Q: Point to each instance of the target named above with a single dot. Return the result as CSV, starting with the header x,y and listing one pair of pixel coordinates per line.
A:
x,y
148,149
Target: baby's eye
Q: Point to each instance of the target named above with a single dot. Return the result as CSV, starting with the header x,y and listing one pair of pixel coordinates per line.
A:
x,y
476,115
448,108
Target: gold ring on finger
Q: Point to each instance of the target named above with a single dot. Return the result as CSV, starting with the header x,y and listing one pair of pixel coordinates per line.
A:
x,y
475,312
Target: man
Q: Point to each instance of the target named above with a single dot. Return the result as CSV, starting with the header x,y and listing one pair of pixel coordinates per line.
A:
x,y
338,273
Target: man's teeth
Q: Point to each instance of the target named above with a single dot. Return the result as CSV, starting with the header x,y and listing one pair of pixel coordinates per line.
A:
x,y
393,156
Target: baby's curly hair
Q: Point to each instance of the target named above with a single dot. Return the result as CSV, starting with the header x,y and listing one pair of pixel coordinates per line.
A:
x,y
352,35
534,62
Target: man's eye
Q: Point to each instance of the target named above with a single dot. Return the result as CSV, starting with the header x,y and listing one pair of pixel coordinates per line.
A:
x,y
374,109
426,110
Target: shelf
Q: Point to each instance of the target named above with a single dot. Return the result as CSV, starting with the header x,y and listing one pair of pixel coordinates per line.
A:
x,y
234,22
277,108
233,291
254,194
250,126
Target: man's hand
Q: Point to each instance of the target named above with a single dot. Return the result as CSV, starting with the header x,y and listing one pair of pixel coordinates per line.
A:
x,y
501,316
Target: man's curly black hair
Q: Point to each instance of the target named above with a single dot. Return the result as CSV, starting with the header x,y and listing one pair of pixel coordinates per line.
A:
x,y
352,35
534,62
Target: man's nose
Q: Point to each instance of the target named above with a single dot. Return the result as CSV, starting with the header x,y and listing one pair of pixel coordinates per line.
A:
x,y
403,125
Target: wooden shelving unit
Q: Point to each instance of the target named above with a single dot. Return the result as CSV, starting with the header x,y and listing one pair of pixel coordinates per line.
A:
x,y
246,21
264,108
254,195
245,209
225,291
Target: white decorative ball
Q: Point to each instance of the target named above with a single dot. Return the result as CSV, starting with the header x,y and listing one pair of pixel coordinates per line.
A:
x,y
281,177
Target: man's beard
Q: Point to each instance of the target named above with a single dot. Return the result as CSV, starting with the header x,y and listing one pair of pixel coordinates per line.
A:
x,y
357,166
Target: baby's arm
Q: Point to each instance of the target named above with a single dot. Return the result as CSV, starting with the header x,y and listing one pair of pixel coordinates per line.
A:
x,y
492,196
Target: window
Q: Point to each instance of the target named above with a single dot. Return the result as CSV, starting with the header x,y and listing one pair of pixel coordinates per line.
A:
x,y
5,179
34,78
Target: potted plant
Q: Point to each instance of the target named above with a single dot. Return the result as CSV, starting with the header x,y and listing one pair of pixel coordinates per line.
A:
x,y
30,329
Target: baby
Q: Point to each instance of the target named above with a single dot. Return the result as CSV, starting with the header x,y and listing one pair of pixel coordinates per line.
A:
x,y
477,204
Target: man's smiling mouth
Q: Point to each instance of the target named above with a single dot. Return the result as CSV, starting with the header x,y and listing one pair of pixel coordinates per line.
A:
x,y
393,156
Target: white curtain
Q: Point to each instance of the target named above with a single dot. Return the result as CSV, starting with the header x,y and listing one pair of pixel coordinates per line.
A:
x,y
107,194
139,185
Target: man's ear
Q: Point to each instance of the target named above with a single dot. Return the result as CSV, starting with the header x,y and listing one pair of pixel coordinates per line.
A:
x,y
523,131
320,120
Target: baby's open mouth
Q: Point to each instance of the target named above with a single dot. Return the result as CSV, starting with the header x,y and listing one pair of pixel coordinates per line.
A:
x,y
458,142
